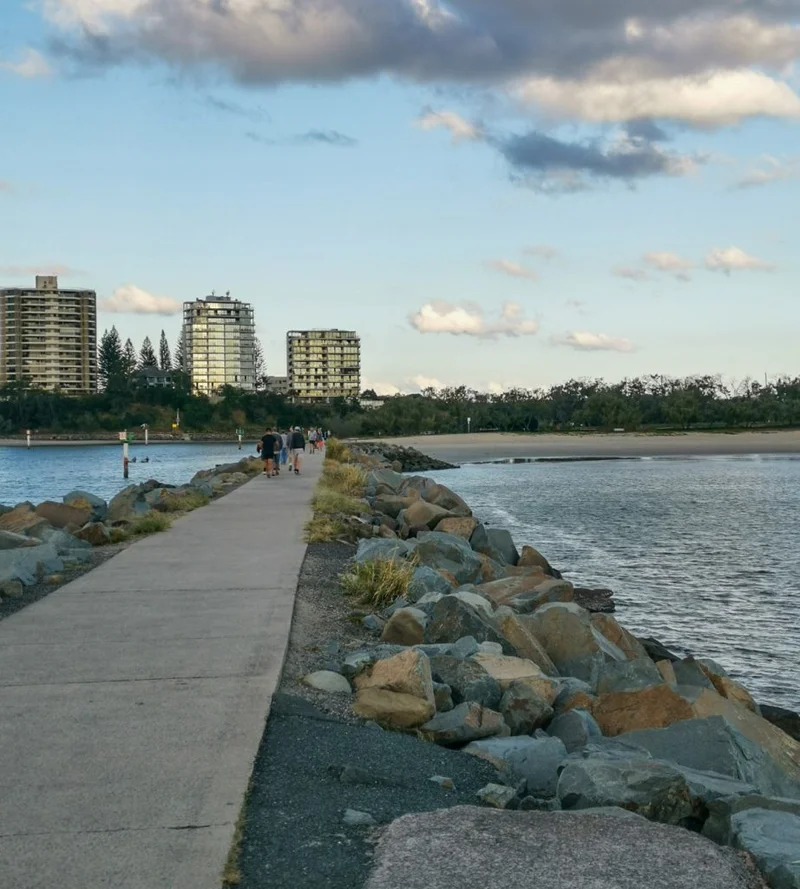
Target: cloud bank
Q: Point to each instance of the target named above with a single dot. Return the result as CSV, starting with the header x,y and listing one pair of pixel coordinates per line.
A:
x,y
733,259
583,341
670,263
31,64
132,300
512,269
470,320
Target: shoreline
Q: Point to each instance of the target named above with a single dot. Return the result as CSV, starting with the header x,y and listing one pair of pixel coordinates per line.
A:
x,y
95,442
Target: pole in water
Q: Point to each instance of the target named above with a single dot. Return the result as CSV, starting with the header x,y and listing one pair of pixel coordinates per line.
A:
x,y
125,455
28,437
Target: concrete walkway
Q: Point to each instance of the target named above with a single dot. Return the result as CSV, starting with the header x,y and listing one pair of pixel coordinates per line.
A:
x,y
133,700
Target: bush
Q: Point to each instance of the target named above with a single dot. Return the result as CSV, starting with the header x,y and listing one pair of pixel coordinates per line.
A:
x,y
150,524
331,503
346,478
378,583
337,451
324,529
186,503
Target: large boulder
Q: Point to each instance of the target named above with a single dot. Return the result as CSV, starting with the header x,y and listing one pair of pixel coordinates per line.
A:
x,y
23,519
515,628
574,645
385,480
468,681
95,533
576,729
423,514
773,839
505,670
442,496
464,723
426,580
392,505
378,548
524,708
453,619
405,627
461,526
128,504
655,790
689,674
498,750
449,553
490,570
727,687
391,708
59,515
627,643
28,564
83,500
495,542
721,810
630,675
530,557
504,589
466,847
786,720
12,540
538,765
551,590
655,706
408,672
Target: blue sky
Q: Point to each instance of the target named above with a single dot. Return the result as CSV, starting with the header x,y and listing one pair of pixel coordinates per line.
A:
x,y
518,218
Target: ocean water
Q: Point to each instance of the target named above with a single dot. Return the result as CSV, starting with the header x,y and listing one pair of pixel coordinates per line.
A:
x,y
703,553
48,473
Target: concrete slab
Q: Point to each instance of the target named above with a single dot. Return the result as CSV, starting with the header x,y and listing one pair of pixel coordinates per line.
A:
x,y
133,700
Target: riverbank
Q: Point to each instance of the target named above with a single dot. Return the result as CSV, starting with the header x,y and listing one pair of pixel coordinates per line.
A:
x,y
489,446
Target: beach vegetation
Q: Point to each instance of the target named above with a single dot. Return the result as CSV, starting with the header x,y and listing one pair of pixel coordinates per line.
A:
x,y
337,451
325,529
378,583
152,523
329,502
345,478
187,502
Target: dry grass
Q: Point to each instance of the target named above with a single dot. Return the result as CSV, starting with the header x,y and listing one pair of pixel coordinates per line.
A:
x,y
346,478
186,502
378,583
324,529
332,503
152,523
337,451
231,875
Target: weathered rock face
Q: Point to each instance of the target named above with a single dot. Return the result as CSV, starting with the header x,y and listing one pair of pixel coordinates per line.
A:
x,y
467,680
26,564
12,540
490,570
442,496
466,847
423,514
449,553
426,580
407,673
721,810
23,520
773,839
392,708
464,723
532,557
505,670
573,644
392,505
95,533
726,687
496,543
628,711
371,550
630,675
551,590
460,526
524,708
627,643
514,628
454,619
128,504
405,627
83,500
575,728
537,764
653,789
573,693
385,478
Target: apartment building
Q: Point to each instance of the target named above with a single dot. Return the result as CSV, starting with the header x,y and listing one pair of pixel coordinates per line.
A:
x,y
323,364
219,344
48,337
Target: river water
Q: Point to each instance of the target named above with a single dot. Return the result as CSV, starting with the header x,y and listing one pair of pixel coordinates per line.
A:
x,y
702,553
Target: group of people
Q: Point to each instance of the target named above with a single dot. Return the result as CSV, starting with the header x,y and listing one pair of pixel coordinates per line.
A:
x,y
279,449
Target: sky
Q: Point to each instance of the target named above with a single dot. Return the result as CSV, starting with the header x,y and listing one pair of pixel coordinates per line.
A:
x,y
495,194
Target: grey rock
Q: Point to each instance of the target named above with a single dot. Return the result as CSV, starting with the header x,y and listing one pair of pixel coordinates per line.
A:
x,y
12,589
442,697
498,750
98,505
63,542
464,723
443,782
688,673
653,789
568,686
627,675
495,543
434,650
524,708
354,818
576,728
385,478
538,764
465,647
472,846
27,564
399,603
447,552
325,680
468,681
381,548
717,826
359,660
426,580
11,540
773,839
373,623
537,804
786,720
498,796
657,651
453,619
495,648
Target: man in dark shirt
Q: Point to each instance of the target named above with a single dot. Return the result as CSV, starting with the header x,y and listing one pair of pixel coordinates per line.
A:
x,y
297,446
269,445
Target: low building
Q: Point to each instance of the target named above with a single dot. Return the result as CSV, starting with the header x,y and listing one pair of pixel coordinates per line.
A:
x,y
277,385
154,377
323,364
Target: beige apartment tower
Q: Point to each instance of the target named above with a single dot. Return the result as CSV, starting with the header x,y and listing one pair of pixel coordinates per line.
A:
x,y
219,344
323,364
48,337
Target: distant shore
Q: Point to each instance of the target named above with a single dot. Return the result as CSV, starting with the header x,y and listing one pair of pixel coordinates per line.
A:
x,y
83,442
491,446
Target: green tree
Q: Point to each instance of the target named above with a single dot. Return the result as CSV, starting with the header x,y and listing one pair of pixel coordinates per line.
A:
x,y
130,361
260,369
147,355
164,356
180,354
110,360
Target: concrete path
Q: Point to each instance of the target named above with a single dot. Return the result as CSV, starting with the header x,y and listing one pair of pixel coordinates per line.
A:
x,y
133,700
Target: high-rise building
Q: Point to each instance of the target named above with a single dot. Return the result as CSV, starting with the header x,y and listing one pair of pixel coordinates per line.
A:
x,y
219,344
323,364
48,337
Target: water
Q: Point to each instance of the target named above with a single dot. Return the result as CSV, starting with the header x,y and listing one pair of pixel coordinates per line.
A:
x,y
703,553
49,473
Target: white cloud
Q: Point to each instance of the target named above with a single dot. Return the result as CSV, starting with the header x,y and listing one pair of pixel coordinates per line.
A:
x,y
733,259
459,128
771,169
469,320
632,274
379,388
670,263
132,300
619,92
543,251
593,342
31,65
20,271
423,382
512,269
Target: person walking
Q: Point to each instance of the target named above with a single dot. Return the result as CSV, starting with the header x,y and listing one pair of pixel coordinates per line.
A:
x,y
285,447
298,446
268,446
312,440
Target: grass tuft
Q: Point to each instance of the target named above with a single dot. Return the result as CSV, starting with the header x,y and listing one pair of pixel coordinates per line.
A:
x,y
185,503
119,535
324,529
331,503
337,451
346,478
152,523
378,583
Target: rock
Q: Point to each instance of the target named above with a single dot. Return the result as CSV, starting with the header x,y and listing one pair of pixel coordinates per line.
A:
x,y
12,589
425,580
87,502
391,505
497,750
23,520
726,686
405,627
667,672
373,623
713,744
129,503
95,533
490,570
773,839
442,697
786,720
530,557
379,548
464,723
454,619
465,647
326,680
625,641
468,681
505,670
628,711
657,651
628,676
392,708
459,526
551,590
385,478
416,484
443,782
573,644
524,708
12,540
515,629
59,515
573,693
537,764
688,673
498,796
28,563
502,591
471,846
576,729
54,579
64,543
722,809
408,672
443,497
354,818
496,543
655,790
447,552
474,600
595,601
422,514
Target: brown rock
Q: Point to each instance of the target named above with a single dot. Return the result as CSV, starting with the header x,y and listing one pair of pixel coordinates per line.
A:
x,y
442,496
551,590
667,671
403,628
424,515
532,557
461,526
392,708
13,589
60,515
466,722
392,506
490,570
407,673
524,708
23,520
386,532
626,711
505,670
95,533
729,689
576,700
627,642
501,592
513,627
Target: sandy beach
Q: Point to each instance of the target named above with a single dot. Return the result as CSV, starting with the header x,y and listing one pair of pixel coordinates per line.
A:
x,y
503,446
